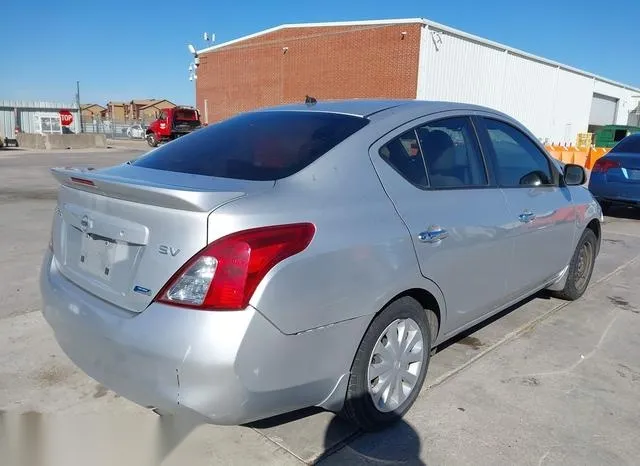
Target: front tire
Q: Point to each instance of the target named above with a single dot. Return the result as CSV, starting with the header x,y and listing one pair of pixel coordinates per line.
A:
x,y
580,268
152,140
390,365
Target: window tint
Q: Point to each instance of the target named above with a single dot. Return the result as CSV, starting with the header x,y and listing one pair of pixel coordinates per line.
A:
x,y
519,161
185,115
403,154
255,146
452,154
630,144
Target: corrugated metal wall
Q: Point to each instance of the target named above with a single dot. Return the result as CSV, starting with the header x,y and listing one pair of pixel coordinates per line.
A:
x,y
553,102
14,113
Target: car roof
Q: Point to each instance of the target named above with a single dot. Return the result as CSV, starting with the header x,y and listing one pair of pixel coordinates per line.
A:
x,y
369,107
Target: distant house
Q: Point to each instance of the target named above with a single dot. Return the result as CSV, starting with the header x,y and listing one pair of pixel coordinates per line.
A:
x,y
144,109
115,111
152,110
92,112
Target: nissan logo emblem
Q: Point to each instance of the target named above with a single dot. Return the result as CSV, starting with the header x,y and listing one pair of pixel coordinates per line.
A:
x,y
84,223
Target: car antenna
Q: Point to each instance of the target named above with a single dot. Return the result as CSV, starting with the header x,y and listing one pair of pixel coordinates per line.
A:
x,y
310,100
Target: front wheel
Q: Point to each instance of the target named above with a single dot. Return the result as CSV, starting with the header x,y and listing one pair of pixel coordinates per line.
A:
x,y
152,140
581,267
390,365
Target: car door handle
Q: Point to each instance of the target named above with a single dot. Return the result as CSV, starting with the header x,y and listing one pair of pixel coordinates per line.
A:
x,y
433,235
527,216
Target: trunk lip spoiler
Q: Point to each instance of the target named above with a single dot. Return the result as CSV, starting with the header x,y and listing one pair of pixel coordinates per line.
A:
x,y
145,192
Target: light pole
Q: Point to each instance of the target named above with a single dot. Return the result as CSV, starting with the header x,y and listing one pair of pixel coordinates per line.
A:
x,y
79,106
193,66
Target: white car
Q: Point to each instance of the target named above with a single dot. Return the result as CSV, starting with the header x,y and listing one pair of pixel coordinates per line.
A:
x,y
135,132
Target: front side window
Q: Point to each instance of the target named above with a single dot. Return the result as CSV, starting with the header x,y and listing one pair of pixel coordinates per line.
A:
x,y
256,146
452,154
520,163
403,154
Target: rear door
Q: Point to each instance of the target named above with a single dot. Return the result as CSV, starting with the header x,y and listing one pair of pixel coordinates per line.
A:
x,y
541,209
454,212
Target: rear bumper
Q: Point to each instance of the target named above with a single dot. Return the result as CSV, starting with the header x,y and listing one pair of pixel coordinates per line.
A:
x,y
614,192
230,367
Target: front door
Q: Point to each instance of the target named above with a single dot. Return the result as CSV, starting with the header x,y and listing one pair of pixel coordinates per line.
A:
x,y
436,176
539,205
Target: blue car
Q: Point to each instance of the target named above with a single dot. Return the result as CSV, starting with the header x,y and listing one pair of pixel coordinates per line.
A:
x,y
615,178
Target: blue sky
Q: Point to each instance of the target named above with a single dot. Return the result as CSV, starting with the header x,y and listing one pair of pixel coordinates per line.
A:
x,y
130,49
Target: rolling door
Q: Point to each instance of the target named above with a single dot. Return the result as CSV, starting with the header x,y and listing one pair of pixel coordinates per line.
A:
x,y
603,110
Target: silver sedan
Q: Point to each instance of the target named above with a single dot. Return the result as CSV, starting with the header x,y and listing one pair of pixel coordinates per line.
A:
x,y
308,255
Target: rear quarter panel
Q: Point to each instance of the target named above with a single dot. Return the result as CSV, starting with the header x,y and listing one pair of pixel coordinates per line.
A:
x,y
360,258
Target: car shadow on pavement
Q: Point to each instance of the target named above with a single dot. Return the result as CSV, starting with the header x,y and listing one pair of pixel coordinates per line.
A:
x,y
544,294
397,444
629,213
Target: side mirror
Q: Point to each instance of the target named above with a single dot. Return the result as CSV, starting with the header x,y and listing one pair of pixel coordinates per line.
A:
x,y
574,175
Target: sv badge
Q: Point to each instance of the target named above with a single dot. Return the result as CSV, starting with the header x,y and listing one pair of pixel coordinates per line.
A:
x,y
168,250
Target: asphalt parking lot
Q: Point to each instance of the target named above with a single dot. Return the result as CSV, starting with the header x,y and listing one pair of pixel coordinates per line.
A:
x,y
547,382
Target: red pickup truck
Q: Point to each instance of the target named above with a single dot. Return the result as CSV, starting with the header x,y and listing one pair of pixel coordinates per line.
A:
x,y
171,124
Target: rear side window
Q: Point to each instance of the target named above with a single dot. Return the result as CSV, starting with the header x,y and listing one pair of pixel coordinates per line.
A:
x,y
403,154
630,145
452,154
256,146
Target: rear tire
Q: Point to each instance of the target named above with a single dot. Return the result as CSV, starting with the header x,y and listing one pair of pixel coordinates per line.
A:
x,y
390,371
152,140
580,268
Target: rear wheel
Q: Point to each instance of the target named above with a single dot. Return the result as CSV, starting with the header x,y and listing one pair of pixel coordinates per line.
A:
x,y
152,140
605,206
580,268
390,365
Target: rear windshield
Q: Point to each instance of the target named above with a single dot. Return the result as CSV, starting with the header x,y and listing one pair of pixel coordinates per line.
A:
x,y
255,146
631,145
186,115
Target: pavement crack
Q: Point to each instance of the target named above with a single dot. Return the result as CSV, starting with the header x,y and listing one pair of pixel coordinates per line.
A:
x,y
543,457
525,329
575,365
279,445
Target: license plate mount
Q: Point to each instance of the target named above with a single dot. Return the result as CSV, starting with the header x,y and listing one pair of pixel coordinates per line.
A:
x,y
97,256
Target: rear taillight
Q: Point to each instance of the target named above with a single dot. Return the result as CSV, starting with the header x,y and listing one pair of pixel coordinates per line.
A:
x,y
224,275
604,165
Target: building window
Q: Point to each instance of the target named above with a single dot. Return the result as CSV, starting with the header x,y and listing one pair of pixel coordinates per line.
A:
x,y
49,125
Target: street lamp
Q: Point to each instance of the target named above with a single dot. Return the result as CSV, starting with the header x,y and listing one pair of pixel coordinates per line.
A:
x,y
193,66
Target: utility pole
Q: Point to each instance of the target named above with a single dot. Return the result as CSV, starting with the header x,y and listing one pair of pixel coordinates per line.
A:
x,y
79,108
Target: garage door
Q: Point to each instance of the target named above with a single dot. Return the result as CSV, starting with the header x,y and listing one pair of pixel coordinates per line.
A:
x,y
603,110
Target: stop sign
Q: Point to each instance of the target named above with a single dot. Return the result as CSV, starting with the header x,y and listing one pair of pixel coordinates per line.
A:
x,y
66,118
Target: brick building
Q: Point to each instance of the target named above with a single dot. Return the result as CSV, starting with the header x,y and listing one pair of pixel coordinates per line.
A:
x,y
409,58
284,64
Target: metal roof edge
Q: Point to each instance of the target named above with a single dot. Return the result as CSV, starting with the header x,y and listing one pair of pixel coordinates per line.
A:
x,y
431,24
371,22
522,53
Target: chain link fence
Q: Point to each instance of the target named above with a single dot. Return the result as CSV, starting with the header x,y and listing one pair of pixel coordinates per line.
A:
x,y
116,129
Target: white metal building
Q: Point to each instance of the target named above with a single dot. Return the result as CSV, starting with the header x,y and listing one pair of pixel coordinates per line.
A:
x,y
34,117
555,101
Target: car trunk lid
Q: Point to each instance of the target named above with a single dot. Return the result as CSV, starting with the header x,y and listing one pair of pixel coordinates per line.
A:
x,y
629,170
121,233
